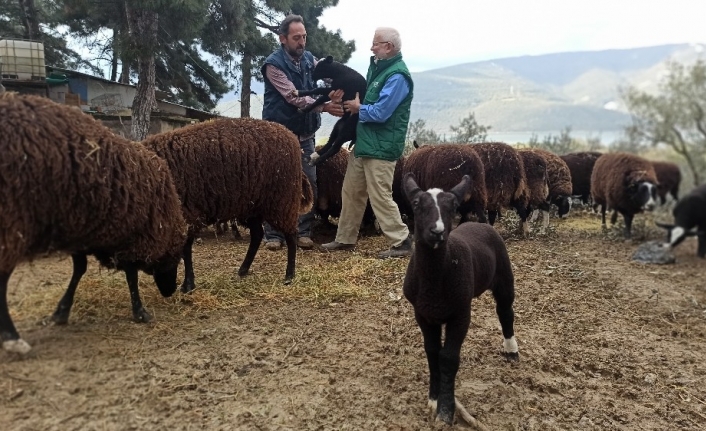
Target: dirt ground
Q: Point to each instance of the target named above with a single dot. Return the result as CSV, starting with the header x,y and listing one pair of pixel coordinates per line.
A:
x,y
605,344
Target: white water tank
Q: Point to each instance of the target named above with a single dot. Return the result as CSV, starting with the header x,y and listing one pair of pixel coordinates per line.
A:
x,y
22,60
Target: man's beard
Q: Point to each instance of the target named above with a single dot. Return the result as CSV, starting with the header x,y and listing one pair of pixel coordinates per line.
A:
x,y
296,53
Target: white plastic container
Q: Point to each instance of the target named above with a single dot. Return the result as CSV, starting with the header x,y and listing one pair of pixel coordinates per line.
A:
x,y
22,60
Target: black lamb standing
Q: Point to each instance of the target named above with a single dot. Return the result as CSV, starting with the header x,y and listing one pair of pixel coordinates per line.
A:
x,y
449,268
339,77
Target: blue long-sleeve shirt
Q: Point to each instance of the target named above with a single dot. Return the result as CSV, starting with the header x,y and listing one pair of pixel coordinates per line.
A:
x,y
396,88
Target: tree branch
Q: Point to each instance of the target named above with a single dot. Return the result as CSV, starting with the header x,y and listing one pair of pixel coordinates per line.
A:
x,y
273,28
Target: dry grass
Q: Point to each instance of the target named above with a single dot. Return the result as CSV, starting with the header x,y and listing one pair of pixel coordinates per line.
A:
x,y
321,278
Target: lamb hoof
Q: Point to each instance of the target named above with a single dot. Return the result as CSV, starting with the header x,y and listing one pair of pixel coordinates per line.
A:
x,y
243,272
16,346
60,318
431,404
288,280
512,356
445,416
187,286
142,316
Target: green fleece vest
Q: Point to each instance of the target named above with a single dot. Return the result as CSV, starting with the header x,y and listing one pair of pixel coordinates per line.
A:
x,y
384,141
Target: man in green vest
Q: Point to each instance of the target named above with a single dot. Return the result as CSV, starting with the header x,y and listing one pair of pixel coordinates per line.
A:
x,y
382,128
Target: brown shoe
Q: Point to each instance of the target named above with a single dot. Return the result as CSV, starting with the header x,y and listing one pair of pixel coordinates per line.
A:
x,y
337,246
305,242
402,250
273,245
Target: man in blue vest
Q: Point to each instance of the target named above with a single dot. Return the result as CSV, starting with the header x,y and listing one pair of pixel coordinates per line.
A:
x,y
380,138
290,68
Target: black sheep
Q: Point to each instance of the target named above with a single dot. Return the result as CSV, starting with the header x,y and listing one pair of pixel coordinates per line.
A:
x,y
449,268
340,77
689,220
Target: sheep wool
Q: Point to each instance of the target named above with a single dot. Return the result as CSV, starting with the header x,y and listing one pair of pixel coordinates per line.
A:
x,y
68,183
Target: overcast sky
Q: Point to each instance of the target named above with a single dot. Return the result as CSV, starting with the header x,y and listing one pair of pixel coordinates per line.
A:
x,y
439,33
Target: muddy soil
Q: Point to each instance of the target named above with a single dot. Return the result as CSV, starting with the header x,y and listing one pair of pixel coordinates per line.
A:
x,y
605,344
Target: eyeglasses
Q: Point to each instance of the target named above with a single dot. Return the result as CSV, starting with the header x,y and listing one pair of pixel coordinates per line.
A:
x,y
378,43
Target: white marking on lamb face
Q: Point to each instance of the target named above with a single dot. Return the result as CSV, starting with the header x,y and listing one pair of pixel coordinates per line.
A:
x,y
16,346
677,233
510,345
435,194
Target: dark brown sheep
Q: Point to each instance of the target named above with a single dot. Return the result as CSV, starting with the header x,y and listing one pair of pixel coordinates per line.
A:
x,y
442,166
67,183
669,177
449,268
505,180
625,183
240,168
559,180
536,175
581,167
329,181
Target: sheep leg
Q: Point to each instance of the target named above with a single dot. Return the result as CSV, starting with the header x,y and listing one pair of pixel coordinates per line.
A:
x,y
11,340
236,231
139,314
432,347
701,250
491,216
603,211
479,210
504,299
61,315
291,240
614,217
628,224
522,213
188,285
449,361
256,235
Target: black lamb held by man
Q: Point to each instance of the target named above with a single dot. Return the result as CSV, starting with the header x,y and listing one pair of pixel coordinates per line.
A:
x,y
339,77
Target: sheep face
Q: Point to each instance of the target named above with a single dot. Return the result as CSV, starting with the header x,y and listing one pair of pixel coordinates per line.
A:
x,y
643,194
165,275
324,70
564,205
434,210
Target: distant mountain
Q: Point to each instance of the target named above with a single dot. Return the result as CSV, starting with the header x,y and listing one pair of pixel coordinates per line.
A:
x,y
535,94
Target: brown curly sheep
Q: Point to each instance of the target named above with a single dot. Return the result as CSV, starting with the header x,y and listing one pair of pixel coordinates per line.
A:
x,y
669,177
581,167
559,181
237,168
443,166
67,183
625,183
536,175
505,180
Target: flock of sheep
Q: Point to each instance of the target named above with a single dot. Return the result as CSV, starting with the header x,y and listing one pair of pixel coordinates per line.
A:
x,y
69,184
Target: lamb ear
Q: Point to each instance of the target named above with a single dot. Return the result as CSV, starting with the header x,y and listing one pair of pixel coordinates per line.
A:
x,y
411,189
329,59
664,225
462,190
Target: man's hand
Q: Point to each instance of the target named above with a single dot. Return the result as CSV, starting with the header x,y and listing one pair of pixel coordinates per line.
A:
x,y
336,96
352,106
335,109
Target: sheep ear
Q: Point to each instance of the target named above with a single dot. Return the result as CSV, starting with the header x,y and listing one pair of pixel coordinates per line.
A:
x,y
329,59
462,190
411,189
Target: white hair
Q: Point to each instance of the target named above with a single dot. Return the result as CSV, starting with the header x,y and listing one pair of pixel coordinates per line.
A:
x,y
389,34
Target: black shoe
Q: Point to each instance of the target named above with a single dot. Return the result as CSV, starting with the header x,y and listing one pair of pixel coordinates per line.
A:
x,y
402,250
